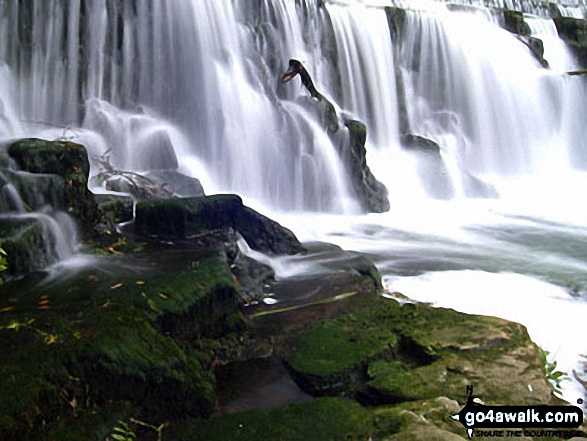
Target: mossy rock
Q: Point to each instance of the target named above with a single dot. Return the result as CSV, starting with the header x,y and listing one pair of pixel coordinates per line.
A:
x,y
396,17
35,190
67,160
28,243
324,419
107,345
513,21
113,210
410,352
189,217
574,32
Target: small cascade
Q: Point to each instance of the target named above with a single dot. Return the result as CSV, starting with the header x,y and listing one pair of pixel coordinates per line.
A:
x,y
35,234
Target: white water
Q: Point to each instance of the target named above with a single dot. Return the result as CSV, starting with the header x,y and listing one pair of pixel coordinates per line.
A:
x,y
195,85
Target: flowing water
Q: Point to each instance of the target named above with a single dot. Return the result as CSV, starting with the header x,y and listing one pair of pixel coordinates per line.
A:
x,y
195,86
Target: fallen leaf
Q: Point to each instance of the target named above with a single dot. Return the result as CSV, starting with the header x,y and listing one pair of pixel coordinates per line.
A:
x,y
44,307
43,302
140,282
8,308
163,296
118,285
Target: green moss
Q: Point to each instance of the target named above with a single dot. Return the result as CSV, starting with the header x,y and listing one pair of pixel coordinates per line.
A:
x,y
325,419
335,346
69,161
414,351
122,337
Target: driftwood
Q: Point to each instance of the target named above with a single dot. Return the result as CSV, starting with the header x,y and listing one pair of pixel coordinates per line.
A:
x,y
577,72
136,185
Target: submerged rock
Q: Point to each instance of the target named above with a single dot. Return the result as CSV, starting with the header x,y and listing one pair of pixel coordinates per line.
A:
x,y
188,217
431,167
176,182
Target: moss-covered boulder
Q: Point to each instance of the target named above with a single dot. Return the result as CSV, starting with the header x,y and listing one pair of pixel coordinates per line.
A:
x,y
386,353
79,354
188,217
67,160
372,194
574,32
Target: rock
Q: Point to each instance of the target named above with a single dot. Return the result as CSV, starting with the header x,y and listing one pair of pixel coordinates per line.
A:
x,y
574,32
83,353
188,217
253,277
178,183
419,143
34,191
157,152
431,167
396,18
28,242
385,353
372,194
114,210
536,46
67,160
513,21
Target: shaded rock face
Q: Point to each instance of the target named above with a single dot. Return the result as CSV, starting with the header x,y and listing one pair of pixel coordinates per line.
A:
x,y
372,194
574,32
182,218
513,21
34,189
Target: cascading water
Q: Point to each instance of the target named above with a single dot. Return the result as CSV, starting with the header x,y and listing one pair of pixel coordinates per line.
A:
x,y
195,86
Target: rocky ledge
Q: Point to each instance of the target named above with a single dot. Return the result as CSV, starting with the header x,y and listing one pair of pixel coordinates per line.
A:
x,y
170,332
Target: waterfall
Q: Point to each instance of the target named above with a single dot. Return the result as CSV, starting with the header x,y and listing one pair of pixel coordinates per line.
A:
x,y
194,86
